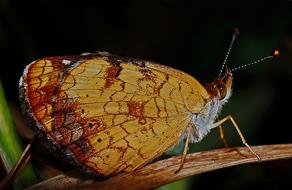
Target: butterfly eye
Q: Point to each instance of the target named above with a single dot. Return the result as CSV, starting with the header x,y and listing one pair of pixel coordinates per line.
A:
x,y
222,91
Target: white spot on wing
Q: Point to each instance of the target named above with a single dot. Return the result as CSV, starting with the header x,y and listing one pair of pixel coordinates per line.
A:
x,y
85,53
66,62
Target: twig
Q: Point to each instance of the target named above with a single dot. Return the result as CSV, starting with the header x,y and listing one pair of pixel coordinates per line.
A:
x,y
20,164
163,172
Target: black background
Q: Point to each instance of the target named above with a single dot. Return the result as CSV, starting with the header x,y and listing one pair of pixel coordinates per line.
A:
x,y
192,36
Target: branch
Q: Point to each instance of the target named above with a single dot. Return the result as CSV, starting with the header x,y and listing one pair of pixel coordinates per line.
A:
x,y
163,171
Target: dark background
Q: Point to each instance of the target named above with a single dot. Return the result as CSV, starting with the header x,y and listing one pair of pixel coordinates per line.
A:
x,y
192,36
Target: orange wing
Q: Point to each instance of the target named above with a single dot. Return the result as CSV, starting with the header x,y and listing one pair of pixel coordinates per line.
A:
x,y
110,114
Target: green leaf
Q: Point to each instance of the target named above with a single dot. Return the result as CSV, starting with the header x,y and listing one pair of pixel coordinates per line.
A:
x,y
11,147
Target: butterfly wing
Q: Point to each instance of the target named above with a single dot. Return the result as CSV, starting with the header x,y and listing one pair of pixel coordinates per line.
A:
x,y
110,114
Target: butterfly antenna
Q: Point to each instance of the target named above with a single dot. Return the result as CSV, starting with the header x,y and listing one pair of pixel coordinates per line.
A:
x,y
276,53
235,34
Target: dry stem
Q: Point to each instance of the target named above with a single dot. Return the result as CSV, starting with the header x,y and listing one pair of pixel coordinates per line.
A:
x,y
163,172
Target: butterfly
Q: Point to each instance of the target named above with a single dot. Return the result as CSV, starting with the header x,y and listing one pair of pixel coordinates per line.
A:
x,y
111,114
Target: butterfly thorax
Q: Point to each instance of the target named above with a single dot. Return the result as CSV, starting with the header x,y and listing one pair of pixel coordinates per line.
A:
x,y
219,91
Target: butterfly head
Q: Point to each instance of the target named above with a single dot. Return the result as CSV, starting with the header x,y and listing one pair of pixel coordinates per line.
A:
x,y
220,88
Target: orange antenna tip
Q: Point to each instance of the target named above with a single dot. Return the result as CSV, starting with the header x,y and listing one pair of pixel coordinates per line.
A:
x,y
276,52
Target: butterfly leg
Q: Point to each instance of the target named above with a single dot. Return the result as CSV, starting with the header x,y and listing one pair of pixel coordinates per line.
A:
x,y
222,137
185,150
229,117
